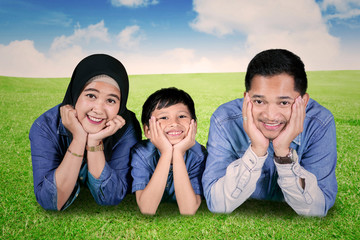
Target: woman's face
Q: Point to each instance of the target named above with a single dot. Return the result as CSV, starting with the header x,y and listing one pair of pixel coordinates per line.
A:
x,y
98,103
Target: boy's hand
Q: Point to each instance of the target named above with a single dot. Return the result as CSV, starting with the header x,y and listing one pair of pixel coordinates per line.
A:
x,y
259,143
70,121
294,127
189,140
157,136
111,127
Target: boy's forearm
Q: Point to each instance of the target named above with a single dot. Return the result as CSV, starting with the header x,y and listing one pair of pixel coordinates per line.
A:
x,y
149,199
186,198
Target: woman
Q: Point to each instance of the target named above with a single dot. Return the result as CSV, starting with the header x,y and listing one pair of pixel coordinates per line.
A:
x,y
87,138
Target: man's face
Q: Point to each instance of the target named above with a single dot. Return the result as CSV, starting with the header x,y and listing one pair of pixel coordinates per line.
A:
x,y
272,99
174,121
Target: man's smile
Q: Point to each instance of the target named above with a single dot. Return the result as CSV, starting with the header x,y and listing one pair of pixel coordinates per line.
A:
x,y
272,126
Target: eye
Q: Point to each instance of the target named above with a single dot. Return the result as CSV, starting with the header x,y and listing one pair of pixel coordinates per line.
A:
x,y
258,102
163,118
111,101
284,103
90,95
183,116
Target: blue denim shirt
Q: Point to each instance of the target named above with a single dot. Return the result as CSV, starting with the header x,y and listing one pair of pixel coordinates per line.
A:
x,y
144,159
49,142
234,173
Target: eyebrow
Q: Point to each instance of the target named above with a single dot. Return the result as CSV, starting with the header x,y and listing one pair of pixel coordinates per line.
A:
x,y
166,112
281,97
95,90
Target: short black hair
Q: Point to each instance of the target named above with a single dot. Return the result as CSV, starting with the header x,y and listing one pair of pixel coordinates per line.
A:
x,y
163,98
277,61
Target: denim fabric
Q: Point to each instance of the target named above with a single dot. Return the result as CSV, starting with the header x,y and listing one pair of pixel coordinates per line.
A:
x,y
49,142
228,180
144,159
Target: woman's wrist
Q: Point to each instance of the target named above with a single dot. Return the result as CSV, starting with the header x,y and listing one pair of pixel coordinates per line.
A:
x,y
93,141
95,148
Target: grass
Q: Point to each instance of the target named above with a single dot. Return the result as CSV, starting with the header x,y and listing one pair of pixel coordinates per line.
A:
x,y
22,100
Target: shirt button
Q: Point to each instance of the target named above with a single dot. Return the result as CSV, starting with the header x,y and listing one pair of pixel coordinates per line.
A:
x,y
81,178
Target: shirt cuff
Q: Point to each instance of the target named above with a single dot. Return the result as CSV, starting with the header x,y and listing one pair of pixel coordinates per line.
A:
x,y
252,161
96,183
138,186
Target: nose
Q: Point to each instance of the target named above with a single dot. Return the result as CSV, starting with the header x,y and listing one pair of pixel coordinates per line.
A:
x,y
98,107
271,112
174,122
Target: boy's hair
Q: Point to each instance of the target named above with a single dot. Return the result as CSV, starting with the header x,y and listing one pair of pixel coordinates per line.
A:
x,y
163,98
277,61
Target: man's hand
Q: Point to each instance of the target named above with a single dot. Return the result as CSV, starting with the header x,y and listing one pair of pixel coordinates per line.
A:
x,y
70,121
111,127
294,127
259,144
189,140
157,136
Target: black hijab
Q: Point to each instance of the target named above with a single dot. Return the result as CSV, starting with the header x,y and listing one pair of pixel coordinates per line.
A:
x,y
99,64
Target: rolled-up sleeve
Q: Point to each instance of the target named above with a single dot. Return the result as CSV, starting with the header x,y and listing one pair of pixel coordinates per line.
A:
x,y
317,167
46,155
113,184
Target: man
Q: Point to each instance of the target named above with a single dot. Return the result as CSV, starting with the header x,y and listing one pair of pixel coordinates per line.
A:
x,y
274,144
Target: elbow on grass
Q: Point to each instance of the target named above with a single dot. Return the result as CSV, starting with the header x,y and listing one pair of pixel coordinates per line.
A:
x,y
188,212
149,212
191,210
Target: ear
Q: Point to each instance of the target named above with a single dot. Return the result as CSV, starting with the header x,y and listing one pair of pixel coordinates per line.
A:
x,y
146,131
306,98
245,94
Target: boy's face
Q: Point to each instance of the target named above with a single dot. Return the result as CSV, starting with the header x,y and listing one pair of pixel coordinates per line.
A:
x,y
174,122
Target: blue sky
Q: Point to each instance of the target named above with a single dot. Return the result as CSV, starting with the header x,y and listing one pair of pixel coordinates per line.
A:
x,y
42,38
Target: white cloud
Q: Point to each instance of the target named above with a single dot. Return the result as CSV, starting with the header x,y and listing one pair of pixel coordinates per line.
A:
x,y
179,60
130,37
82,36
341,9
340,5
295,25
21,59
133,3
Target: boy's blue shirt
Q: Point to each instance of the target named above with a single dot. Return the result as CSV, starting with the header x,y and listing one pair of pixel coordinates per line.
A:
x,y
144,159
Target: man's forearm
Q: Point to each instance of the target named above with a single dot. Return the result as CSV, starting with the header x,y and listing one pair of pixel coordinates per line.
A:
x,y
306,200
238,184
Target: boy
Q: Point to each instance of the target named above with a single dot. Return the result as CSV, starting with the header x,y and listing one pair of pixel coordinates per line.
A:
x,y
170,162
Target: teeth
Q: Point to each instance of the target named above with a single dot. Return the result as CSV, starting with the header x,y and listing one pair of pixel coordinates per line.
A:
x,y
174,133
272,125
95,119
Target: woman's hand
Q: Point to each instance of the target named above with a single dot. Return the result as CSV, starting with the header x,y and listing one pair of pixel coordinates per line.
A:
x,y
111,127
70,121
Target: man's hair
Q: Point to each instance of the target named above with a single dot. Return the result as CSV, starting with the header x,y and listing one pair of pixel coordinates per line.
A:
x,y
277,61
164,98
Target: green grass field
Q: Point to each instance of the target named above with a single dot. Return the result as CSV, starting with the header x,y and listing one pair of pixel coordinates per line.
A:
x,y
21,217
